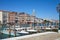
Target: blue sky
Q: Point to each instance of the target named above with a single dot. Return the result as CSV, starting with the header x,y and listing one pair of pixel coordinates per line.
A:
x,y
43,8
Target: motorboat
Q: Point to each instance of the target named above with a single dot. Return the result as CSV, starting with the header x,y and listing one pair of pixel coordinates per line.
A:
x,y
23,32
31,31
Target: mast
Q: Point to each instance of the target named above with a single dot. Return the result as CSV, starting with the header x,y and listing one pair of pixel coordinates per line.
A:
x,y
33,14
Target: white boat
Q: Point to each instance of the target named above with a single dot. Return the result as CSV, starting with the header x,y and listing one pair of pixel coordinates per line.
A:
x,y
31,30
7,32
19,29
48,28
23,32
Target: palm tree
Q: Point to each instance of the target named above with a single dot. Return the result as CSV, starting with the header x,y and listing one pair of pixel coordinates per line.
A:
x,y
0,26
9,29
44,22
16,21
58,10
0,30
14,30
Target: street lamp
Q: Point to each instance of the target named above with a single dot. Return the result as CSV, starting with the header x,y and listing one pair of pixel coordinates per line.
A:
x,y
58,10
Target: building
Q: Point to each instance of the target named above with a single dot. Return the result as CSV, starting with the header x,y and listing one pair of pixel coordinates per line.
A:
x,y
12,17
25,19
15,17
3,16
21,18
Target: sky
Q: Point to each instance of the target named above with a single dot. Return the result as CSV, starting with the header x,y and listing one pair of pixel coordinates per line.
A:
x,y
45,9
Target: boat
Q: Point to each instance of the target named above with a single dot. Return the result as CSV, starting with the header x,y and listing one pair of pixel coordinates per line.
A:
x,y
31,31
23,32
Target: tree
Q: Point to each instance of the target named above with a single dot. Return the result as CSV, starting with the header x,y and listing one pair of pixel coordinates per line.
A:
x,y
9,29
45,21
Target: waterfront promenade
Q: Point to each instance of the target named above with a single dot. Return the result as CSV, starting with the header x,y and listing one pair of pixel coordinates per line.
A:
x,y
38,36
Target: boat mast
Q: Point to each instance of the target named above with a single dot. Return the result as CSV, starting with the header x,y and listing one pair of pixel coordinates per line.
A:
x,y
33,14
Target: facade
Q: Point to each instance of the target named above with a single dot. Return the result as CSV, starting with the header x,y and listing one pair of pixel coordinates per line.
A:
x,y
12,17
25,19
20,18
3,17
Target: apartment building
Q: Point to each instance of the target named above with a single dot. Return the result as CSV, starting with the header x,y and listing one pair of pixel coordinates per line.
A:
x,y
24,19
7,17
12,17
3,16
19,18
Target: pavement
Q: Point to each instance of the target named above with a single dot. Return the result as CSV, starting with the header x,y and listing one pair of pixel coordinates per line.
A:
x,y
39,36
51,36
58,39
